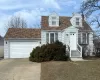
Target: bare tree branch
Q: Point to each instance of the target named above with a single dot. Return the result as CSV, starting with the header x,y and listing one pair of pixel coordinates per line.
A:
x,y
16,22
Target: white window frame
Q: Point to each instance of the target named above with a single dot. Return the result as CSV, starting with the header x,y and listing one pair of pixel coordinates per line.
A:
x,y
82,38
77,21
55,20
54,36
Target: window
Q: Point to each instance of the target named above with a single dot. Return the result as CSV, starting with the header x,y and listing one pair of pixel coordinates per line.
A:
x,y
77,21
83,38
53,18
47,37
54,21
51,37
79,38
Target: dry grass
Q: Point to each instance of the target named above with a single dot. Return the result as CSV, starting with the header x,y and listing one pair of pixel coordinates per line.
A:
x,y
1,51
86,70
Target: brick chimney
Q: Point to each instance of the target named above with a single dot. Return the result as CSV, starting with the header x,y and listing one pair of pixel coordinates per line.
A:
x,y
82,17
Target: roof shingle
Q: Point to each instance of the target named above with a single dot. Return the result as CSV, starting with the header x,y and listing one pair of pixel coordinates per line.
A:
x,y
23,33
64,22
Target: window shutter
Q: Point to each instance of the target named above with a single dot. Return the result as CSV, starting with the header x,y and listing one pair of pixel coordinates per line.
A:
x,y
47,37
56,36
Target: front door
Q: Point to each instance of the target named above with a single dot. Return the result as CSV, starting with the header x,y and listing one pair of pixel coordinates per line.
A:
x,y
73,43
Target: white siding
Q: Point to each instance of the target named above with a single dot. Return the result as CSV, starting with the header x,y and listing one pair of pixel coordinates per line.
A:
x,y
65,38
60,36
43,37
6,49
91,43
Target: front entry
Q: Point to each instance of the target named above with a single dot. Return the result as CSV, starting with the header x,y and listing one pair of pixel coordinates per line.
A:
x,y
73,43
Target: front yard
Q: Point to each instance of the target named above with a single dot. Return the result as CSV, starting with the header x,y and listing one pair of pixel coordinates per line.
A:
x,y
83,70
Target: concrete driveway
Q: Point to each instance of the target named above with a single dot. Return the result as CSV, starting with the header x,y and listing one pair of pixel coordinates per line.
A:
x,y
19,69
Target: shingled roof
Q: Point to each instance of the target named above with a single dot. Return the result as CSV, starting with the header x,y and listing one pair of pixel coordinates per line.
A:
x,y
23,33
64,22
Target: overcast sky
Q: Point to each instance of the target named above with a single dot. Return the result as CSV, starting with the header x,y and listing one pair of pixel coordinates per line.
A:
x,y
32,10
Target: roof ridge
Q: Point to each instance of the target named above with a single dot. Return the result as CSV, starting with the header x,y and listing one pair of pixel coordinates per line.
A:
x,y
59,16
25,28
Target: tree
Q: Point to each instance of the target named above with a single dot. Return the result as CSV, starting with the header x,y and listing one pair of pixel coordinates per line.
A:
x,y
91,8
36,25
16,22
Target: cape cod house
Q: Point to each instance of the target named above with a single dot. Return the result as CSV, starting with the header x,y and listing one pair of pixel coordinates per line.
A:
x,y
73,31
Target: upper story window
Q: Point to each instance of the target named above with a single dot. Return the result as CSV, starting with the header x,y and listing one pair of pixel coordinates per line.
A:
x,y
77,21
54,23
53,20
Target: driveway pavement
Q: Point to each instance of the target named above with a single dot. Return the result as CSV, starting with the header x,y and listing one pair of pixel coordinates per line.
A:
x,y
19,69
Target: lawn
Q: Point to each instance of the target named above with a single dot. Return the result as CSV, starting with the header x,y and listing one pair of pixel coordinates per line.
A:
x,y
83,70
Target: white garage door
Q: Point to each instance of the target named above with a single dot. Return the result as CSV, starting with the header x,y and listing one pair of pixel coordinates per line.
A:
x,y
21,49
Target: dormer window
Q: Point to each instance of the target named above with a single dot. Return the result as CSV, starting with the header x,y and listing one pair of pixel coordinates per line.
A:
x,y
53,23
77,21
53,20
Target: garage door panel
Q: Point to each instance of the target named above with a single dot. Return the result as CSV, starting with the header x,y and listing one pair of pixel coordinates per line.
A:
x,y
21,49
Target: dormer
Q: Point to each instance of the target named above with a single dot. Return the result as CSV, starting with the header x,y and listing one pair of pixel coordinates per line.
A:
x,y
53,20
76,20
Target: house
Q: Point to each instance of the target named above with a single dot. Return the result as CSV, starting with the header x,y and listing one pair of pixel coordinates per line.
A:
x,y
1,41
73,31
1,47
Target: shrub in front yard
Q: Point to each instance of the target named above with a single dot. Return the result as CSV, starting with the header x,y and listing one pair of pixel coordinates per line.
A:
x,y
48,52
97,53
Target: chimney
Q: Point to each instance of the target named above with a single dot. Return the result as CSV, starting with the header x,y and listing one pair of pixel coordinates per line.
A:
x,y
82,17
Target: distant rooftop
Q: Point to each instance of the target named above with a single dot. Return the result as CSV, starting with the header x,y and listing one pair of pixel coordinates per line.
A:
x,y
1,41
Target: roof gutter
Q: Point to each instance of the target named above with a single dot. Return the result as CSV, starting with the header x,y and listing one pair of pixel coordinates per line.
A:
x,y
23,38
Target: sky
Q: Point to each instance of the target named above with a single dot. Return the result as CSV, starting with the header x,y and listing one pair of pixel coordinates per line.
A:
x,y
32,10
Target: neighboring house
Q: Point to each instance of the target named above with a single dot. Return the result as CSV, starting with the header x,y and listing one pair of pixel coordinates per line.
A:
x,y
1,46
73,31
1,41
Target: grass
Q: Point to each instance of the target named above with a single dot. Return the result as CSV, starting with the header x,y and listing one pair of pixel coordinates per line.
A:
x,y
83,70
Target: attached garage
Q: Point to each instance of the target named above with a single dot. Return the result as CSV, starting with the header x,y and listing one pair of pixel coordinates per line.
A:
x,y
19,43
22,49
